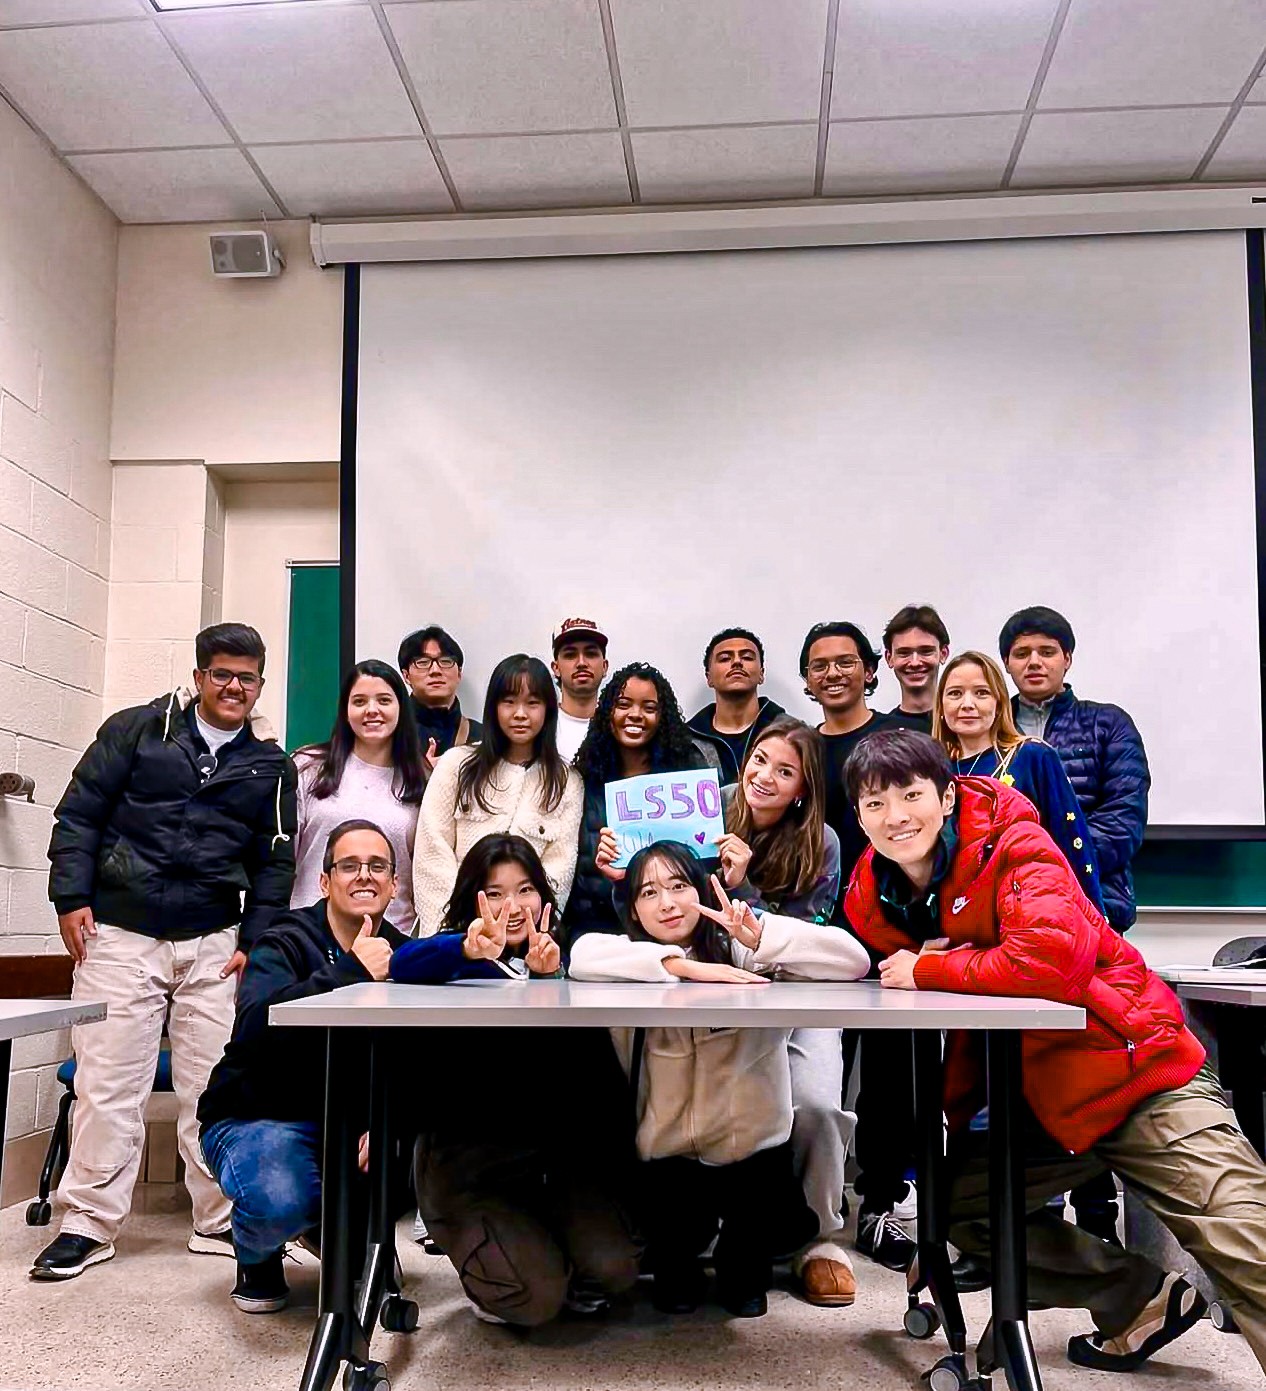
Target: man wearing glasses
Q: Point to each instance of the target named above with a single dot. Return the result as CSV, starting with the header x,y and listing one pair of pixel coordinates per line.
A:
x,y
261,1112
431,663
172,850
840,669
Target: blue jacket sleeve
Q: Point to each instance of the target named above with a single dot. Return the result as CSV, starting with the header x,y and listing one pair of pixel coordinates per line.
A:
x,y
1039,774
1120,818
437,960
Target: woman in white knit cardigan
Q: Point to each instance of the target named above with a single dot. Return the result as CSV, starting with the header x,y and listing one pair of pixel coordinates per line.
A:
x,y
514,783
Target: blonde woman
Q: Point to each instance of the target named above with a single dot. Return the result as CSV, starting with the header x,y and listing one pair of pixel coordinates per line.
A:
x,y
972,720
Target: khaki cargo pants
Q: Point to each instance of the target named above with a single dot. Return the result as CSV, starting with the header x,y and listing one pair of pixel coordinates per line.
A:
x,y
1184,1155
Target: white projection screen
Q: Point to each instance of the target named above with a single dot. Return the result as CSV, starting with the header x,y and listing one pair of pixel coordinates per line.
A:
x,y
672,444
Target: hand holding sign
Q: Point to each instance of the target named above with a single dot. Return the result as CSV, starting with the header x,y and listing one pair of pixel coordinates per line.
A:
x,y
543,957
737,918
607,854
486,936
684,807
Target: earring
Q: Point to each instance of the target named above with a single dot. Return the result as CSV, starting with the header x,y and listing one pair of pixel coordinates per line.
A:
x,y
798,803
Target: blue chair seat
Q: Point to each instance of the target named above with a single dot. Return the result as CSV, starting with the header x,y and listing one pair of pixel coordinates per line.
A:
x,y
162,1073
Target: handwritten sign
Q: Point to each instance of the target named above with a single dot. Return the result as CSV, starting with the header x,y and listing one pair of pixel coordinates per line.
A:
x,y
685,807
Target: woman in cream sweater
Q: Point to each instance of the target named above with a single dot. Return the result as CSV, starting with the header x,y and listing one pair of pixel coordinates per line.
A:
x,y
514,783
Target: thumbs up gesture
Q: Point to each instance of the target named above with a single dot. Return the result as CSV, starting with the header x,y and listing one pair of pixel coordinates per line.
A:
x,y
371,951
486,936
543,957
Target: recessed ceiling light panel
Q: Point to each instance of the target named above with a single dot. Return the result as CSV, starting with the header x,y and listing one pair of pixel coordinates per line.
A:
x,y
164,6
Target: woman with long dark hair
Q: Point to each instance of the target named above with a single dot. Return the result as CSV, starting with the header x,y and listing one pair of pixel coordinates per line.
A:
x,y
514,783
714,1107
526,1147
370,768
637,728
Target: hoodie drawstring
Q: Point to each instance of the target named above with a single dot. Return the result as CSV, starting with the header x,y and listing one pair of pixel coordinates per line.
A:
x,y
281,835
171,700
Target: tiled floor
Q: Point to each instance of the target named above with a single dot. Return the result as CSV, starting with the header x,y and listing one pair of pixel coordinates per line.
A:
x,y
157,1316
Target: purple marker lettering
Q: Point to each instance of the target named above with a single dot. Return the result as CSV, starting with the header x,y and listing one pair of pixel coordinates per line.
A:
x,y
678,791
709,800
622,809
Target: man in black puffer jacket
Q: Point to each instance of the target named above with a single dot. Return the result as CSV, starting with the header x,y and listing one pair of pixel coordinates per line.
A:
x,y
172,849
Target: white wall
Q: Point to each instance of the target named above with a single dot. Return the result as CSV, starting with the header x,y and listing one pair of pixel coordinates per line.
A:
x,y
266,526
57,286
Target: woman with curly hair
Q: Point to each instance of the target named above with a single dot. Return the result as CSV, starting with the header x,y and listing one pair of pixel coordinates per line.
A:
x,y
637,728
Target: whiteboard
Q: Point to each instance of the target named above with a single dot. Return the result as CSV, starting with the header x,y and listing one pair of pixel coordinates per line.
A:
x,y
673,444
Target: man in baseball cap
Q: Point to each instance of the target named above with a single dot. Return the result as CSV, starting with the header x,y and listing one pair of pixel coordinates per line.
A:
x,y
580,664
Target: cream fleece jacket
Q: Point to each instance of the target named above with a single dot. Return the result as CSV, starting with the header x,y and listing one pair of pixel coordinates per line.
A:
x,y
717,1095
445,833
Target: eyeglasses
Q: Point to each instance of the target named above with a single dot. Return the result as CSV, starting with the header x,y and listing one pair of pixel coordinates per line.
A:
x,y
426,663
221,678
349,869
821,665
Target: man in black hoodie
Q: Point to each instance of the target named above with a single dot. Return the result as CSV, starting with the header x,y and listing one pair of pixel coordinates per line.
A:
x,y
172,849
262,1109
734,666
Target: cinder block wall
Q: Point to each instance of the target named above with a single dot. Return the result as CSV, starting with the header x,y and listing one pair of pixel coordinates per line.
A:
x,y
58,254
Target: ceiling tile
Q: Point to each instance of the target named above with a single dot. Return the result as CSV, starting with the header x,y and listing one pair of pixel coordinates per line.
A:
x,y
729,162
1242,153
69,11
176,185
932,155
714,62
937,56
484,66
1114,147
538,171
297,72
105,86
1154,52
356,179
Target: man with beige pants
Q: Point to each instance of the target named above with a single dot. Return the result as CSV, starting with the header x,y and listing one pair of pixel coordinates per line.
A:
x,y
172,849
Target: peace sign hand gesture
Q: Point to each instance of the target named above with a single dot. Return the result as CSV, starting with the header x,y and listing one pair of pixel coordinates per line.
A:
x,y
543,957
736,917
486,936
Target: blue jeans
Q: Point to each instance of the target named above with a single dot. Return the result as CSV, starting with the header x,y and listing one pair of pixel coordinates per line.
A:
x,y
271,1172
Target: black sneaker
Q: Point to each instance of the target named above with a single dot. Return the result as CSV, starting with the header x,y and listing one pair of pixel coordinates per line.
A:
x,y
70,1255
261,1288
1100,1221
970,1274
1175,1307
882,1238
586,1297
679,1289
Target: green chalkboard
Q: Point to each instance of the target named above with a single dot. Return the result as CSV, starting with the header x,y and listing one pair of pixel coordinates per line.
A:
x,y
312,670
1201,874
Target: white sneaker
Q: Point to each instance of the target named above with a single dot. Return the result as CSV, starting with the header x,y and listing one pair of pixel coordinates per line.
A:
x,y
212,1243
907,1210
484,1316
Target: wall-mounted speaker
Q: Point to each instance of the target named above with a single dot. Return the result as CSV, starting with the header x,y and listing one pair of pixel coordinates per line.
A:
x,y
242,255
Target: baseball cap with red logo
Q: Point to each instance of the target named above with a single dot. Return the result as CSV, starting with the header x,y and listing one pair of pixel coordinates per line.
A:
x,y
579,630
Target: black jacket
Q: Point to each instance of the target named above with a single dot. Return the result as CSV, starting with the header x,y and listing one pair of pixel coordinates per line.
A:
x,y
144,841
444,726
701,724
269,1072
589,905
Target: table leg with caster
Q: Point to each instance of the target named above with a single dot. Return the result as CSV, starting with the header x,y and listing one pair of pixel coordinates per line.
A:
x,y
1012,1347
338,1336
931,1269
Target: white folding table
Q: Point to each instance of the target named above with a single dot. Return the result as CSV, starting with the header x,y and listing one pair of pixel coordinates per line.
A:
x,y
357,1019
18,1018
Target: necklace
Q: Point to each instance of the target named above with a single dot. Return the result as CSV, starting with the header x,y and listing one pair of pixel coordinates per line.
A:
x,y
979,756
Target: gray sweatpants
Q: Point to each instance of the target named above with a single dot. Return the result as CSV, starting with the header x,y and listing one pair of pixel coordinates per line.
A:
x,y
821,1133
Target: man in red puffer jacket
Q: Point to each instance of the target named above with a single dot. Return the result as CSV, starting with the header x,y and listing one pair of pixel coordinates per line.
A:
x,y
963,890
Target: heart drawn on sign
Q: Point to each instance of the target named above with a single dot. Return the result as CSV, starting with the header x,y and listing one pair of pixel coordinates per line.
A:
x,y
701,836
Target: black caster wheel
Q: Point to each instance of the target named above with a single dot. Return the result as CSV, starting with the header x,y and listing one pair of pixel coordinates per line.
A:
x,y
398,1315
921,1321
39,1214
366,1376
949,1374
1220,1315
